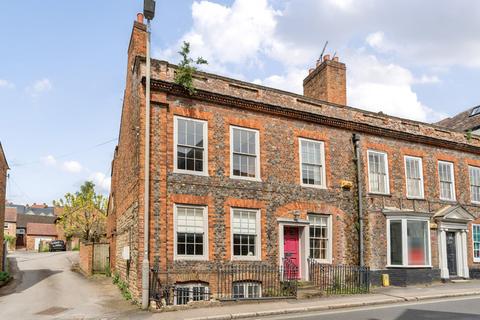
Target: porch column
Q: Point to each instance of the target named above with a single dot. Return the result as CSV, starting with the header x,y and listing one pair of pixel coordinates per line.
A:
x,y
466,273
442,255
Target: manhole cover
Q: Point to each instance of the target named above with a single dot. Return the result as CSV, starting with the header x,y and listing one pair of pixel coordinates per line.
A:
x,y
52,311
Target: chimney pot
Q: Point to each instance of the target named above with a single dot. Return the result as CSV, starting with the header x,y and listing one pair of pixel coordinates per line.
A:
x,y
335,59
310,70
326,57
140,18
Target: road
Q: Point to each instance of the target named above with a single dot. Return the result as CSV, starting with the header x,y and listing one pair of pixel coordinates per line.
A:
x,y
444,309
46,288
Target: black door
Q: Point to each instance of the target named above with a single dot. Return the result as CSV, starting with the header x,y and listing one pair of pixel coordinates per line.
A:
x,y
451,254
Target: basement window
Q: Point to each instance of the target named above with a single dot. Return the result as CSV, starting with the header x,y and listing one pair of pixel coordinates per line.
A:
x,y
246,290
193,291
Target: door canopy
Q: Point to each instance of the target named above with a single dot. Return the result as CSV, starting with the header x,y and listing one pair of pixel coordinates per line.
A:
x,y
454,214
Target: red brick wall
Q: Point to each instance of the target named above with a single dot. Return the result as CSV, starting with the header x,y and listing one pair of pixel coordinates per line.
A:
x,y
86,258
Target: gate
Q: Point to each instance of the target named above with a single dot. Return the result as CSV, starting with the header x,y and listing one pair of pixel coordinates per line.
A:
x,y
100,257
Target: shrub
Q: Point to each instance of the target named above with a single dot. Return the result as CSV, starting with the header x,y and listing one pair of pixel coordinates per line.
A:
x,y
4,276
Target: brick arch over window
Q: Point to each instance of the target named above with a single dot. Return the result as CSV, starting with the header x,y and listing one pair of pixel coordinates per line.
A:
x,y
343,227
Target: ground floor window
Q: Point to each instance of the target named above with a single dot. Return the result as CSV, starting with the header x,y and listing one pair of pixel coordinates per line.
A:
x,y
320,237
476,242
245,290
193,291
408,242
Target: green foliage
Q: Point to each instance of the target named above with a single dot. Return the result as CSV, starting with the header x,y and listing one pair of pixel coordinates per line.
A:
x,y
186,68
44,249
108,271
84,213
123,286
76,248
468,135
4,276
9,239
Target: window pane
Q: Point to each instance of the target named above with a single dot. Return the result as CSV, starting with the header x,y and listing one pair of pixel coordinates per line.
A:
x,y
244,153
417,235
312,164
396,252
319,237
445,173
189,228
414,177
190,145
476,241
475,183
377,166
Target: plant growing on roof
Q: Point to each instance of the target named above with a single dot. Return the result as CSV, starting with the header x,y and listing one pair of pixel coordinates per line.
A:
x,y
186,68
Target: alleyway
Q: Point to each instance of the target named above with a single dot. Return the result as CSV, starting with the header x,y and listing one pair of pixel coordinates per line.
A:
x,y
46,288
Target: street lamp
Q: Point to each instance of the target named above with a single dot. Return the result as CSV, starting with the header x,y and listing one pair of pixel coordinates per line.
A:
x,y
149,13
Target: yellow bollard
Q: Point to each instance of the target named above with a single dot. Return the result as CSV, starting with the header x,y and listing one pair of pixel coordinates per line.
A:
x,y
385,280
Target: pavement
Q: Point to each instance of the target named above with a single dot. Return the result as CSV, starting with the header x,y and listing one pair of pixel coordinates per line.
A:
x,y
45,287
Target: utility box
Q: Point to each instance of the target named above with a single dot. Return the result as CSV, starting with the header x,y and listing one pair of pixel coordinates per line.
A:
x,y
385,280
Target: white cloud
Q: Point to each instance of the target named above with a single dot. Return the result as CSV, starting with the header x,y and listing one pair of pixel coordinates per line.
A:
x,y
49,160
101,181
425,79
72,166
6,84
291,81
39,87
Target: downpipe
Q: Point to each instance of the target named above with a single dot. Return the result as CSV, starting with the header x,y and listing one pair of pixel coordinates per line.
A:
x,y
356,142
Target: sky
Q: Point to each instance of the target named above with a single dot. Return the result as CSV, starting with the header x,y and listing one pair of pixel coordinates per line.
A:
x,y
63,67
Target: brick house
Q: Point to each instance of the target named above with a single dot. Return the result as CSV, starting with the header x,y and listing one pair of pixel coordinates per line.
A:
x,y
468,121
10,227
37,232
242,173
3,189
26,215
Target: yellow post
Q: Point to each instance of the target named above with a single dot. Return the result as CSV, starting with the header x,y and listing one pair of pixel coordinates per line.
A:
x,y
385,280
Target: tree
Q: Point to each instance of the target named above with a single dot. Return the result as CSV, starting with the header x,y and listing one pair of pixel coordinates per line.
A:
x,y
84,213
186,69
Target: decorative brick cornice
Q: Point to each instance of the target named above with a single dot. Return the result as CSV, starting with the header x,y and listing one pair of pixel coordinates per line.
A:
x,y
277,110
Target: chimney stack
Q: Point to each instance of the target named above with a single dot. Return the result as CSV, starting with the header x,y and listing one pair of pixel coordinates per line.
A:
x,y
327,82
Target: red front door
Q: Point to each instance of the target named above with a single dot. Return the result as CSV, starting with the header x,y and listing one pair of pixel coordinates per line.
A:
x,y
290,244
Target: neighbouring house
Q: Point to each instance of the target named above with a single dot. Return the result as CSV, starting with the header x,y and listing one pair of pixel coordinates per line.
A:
x,y
467,121
27,214
3,189
245,174
37,232
10,227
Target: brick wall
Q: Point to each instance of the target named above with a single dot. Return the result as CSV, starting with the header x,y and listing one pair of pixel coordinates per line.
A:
x,y
86,258
11,231
3,189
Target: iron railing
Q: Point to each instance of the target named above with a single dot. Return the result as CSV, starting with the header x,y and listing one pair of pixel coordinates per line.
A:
x,y
224,282
339,279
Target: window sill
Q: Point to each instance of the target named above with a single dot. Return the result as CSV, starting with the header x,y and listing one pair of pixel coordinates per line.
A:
x,y
320,187
379,194
322,261
245,178
448,200
190,258
416,198
194,173
246,258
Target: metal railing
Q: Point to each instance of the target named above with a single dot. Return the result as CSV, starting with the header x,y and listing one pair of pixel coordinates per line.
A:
x,y
224,282
339,279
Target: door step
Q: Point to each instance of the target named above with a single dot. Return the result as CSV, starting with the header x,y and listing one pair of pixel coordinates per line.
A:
x,y
460,280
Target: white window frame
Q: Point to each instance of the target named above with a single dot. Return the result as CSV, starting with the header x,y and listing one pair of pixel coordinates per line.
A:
x,y
387,173
420,164
323,184
258,242
257,153
245,285
190,286
470,180
452,168
203,257
404,221
204,172
473,242
328,260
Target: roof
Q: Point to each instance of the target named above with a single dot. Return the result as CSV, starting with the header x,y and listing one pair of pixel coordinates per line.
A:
x,y
10,214
464,121
243,95
43,229
24,219
33,210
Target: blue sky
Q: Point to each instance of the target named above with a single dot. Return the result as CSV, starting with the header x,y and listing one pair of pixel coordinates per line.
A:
x,y
62,68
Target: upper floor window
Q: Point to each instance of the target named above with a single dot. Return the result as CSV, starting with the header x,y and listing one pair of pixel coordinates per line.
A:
x,y
414,177
474,184
476,242
191,232
378,172
245,153
312,161
447,181
245,233
190,147
320,237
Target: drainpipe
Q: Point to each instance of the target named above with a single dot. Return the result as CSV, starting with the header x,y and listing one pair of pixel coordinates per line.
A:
x,y
356,141
146,215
